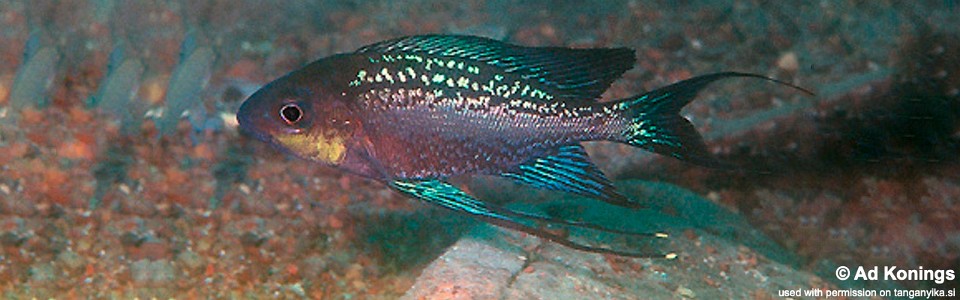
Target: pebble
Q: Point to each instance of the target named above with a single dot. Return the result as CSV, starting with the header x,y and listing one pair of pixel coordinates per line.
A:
x,y
686,293
788,62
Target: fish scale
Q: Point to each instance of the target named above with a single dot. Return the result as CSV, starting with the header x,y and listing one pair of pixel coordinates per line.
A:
x,y
414,111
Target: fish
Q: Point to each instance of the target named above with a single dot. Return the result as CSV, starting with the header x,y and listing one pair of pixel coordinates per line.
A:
x,y
412,112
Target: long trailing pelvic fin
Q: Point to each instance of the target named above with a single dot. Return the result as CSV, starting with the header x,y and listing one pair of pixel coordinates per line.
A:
x,y
450,197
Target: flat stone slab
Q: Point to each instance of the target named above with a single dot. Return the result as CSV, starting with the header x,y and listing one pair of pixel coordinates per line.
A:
x,y
719,257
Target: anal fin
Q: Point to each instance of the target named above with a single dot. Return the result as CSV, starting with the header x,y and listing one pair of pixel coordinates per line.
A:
x,y
568,169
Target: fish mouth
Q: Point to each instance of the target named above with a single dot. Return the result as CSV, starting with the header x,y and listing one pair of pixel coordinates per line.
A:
x,y
262,136
248,123
248,130
249,126
274,143
254,122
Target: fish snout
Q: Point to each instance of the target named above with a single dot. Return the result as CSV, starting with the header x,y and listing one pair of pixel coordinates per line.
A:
x,y
254,118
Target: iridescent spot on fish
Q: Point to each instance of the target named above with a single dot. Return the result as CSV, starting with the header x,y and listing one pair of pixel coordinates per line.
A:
x,y
386,75
361,75
463,82
438,78
473,70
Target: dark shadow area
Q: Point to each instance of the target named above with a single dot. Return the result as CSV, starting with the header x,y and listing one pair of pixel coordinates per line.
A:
x,y
404,240
852,181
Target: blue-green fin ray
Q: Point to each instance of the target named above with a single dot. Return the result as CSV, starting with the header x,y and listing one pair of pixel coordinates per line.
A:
x,y
569,74
441,193
568,169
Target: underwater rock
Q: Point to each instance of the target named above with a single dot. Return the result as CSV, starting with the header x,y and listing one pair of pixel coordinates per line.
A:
x,y
34,77
720,256
118,92
152,271
186,84
471,269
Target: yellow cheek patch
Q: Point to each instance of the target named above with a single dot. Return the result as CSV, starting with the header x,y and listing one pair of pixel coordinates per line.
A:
x,y
319,147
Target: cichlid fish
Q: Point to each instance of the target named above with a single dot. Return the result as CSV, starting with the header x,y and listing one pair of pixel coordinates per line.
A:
x,y
414,111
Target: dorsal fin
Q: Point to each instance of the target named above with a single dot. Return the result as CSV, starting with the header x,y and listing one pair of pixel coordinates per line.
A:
x,y
570,74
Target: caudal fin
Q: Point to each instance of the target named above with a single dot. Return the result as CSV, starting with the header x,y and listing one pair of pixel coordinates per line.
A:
x,y
655,123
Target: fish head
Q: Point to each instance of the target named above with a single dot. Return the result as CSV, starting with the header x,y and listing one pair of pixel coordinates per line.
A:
x,y
299,116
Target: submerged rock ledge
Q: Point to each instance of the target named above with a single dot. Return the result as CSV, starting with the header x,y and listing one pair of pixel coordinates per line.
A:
x,y
720,257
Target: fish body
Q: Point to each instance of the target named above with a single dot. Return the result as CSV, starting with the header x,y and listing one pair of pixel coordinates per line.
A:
x,y
414,111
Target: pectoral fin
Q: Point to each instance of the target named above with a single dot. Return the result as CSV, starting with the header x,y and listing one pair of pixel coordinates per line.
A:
x,y
448,196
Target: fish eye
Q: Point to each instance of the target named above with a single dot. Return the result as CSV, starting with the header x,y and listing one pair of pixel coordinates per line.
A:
x,y
291,113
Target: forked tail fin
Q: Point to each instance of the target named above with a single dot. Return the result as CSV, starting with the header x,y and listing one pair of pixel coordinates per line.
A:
x,y
655,124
